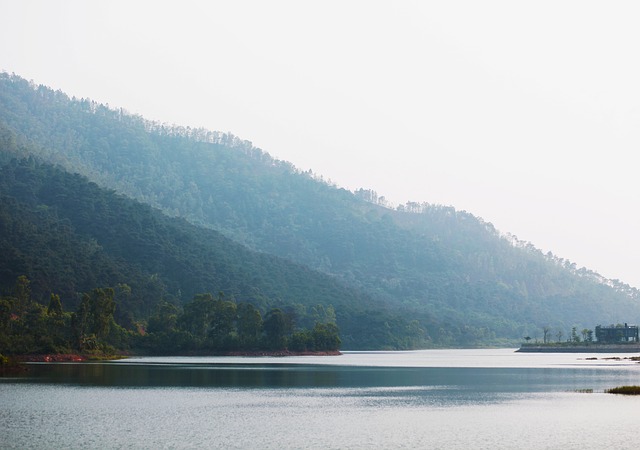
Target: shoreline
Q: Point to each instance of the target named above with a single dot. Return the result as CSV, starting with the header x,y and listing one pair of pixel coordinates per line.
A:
x,y
79,357
593,348
278,353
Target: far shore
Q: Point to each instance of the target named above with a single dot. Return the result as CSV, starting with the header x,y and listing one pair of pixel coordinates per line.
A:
x,y
578,348
79,357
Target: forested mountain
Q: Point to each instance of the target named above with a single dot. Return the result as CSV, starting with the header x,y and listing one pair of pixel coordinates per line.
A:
x,y
463,281
69,236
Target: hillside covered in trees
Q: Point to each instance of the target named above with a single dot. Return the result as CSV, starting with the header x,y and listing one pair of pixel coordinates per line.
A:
x,y
68,237
415,275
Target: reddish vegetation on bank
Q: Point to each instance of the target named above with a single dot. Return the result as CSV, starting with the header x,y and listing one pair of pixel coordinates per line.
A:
x,y
52,358
283,353
74,357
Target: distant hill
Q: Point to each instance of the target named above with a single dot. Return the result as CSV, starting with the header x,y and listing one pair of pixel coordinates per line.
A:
x,y
465,282
70,236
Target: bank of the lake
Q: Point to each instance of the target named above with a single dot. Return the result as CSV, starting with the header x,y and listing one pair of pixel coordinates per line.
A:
x,y
80,357
580,348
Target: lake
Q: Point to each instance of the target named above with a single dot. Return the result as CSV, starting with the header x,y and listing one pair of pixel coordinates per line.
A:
x,y
494,399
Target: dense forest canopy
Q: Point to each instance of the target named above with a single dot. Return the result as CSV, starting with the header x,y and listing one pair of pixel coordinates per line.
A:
x,y
421,274
70,236
204,325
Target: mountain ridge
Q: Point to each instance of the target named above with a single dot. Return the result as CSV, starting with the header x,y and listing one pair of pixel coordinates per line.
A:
x,y
430,258
69,236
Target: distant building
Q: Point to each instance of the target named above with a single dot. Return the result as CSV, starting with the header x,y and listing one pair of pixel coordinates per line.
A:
x,y
614,334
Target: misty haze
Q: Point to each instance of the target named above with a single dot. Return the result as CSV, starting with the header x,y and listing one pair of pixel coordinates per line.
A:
x,y
363,225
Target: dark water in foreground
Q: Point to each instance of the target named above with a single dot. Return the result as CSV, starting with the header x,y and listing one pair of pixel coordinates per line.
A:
x,y
429,399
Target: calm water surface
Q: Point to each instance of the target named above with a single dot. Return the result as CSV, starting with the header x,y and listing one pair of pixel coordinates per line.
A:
x,y
425,399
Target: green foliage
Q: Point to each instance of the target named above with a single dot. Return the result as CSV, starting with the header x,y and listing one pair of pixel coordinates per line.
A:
x,y
414,276
69,235
97,310
625,390
277,326
325,336
164,319
205,325
55,306
249,326
215,325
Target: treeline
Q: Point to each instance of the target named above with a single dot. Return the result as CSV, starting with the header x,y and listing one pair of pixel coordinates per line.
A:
x,y
29,327
68,236
574,336
205,325
414,276
208,324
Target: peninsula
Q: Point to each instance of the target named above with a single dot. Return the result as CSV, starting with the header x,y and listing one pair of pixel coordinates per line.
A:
x,y
609,339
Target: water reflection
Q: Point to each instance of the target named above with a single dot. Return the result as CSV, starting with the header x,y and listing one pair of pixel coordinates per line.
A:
x,y
322,376
263,403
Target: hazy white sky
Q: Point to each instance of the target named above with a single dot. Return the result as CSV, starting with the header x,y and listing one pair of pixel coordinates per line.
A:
x,y
526,114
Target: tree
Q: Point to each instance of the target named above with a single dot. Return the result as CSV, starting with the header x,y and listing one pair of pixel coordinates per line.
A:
x,y
222,324
23,293
249,325
123,297
165,318
321,314
574,335
57,325
545,334
326,337
197,315
55,305
93,319
102,309
301,341
80,321
276,329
